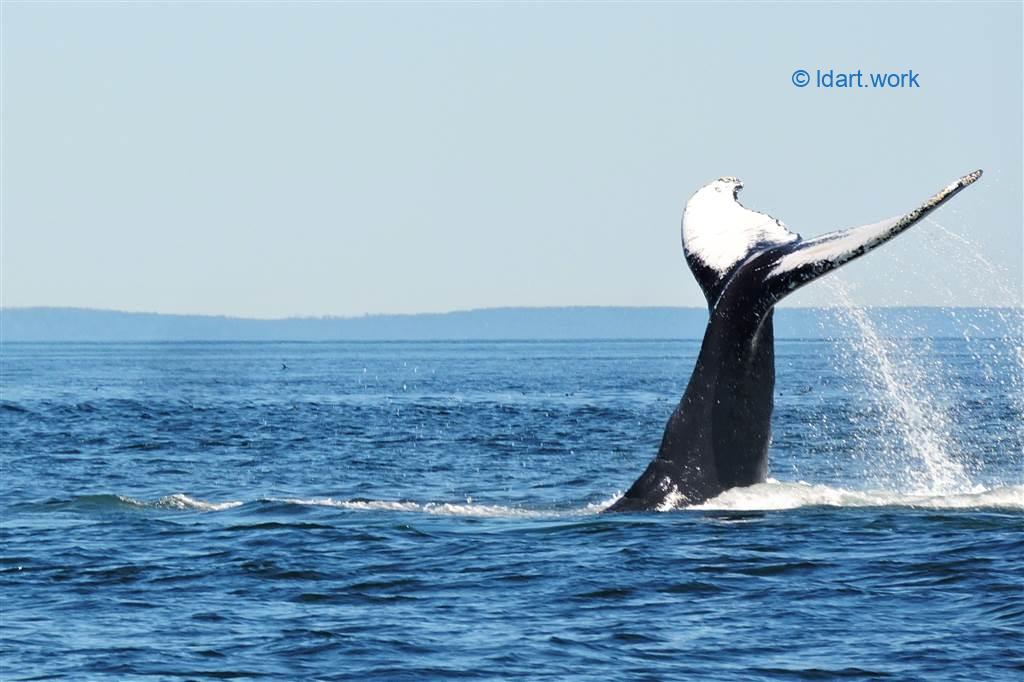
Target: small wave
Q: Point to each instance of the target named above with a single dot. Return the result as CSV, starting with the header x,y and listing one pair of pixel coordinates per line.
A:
x,y
469,508
775,495
598,507
10,406
108,502
182,502
771,496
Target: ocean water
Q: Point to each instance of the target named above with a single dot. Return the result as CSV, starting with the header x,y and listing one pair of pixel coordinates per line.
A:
x,y
417,511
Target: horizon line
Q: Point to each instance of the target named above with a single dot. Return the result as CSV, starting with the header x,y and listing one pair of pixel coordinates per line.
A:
x,y
359,316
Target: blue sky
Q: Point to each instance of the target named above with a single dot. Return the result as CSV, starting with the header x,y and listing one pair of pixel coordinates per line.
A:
x,y
274,159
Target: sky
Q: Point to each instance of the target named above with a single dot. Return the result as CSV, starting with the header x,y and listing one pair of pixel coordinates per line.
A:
x,y
270,160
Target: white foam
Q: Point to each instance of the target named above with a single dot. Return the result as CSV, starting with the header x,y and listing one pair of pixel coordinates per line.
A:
x,y
182,502
769,496
469,508
673,498
774,495
598,507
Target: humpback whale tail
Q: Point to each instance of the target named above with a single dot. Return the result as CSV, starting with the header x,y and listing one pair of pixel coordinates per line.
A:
x,y
722,238
745,262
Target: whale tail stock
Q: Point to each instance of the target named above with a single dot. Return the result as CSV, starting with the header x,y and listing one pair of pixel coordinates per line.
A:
x,y
745,262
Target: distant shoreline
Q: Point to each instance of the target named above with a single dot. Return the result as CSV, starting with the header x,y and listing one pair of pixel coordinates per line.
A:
x,y
44,324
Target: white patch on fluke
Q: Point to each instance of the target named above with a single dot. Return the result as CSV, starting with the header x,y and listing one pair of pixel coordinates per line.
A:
x,y
838,247
720,232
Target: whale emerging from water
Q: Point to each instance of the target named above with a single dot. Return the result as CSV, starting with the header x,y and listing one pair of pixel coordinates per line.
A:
x,y
745,262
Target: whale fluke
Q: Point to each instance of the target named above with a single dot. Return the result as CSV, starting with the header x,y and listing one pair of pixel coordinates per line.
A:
x,y
806,260
745,262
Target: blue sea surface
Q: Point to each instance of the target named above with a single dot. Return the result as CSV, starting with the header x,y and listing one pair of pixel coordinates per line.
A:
x,y
407,511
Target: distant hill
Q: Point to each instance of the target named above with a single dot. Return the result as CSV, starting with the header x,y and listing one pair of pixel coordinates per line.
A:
x,y
76,324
